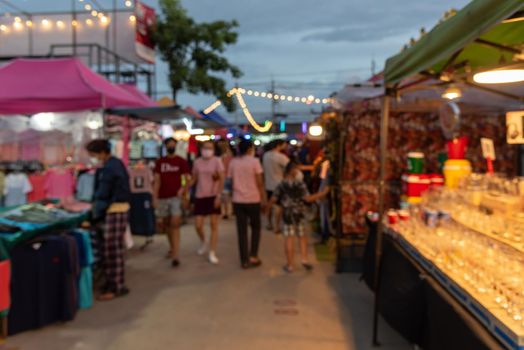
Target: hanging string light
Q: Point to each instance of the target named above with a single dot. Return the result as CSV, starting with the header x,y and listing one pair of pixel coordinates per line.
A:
x,y
267,125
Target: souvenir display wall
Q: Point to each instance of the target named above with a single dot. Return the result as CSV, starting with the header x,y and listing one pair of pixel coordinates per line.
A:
x,y
409,132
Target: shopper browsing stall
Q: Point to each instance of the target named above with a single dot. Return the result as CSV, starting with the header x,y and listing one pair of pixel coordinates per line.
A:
x,y
249,198
110,211
292,194
208,176
171,184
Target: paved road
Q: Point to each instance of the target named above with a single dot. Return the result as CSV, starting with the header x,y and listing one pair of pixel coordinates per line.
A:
x,y
200,306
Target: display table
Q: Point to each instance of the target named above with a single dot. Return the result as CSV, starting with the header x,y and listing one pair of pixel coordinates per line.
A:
x,y
10,240
420,307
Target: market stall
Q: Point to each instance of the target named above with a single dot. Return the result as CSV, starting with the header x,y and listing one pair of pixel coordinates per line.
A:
x,y
475,47
50,109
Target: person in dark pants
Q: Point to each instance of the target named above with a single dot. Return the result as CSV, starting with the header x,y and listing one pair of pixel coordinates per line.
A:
x,y
110,213
249,199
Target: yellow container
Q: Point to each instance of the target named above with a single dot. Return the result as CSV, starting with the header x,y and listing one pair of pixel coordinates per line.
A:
x,y
455,170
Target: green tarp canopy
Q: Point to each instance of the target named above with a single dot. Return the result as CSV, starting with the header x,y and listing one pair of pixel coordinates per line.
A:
x,y
478,37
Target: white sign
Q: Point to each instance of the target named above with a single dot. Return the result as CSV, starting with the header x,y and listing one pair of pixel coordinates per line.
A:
x,y
488,148
515,127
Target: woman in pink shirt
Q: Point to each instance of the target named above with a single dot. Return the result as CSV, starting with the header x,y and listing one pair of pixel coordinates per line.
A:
x,y
208,176
249,198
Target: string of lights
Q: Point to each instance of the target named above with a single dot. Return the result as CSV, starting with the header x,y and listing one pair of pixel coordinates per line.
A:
x,y
309,100
267,126
92,7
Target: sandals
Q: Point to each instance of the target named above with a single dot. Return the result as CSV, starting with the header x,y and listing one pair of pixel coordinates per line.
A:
x,y
108,296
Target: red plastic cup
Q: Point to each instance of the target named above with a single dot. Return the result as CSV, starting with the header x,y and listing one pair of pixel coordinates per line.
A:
x,y
457,148
392,217
403,215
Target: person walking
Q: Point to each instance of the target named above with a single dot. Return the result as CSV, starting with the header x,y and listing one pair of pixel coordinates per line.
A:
x,y
226,154
292,194
110,213
249,198
171,185
208,177
274,164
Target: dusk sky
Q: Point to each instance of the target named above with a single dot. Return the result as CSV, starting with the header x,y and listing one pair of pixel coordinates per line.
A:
x,y
306,46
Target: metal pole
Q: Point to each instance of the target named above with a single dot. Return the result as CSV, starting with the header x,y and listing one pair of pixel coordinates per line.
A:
x,y
114,25
73,15
30,32
384,125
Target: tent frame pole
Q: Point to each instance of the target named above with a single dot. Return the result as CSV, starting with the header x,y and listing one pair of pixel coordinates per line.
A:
x,y
384,131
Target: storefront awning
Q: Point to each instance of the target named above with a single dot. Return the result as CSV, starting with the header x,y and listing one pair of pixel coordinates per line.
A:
x,y
479,36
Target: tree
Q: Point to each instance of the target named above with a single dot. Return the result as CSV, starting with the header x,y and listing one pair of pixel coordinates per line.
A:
x,y
194,51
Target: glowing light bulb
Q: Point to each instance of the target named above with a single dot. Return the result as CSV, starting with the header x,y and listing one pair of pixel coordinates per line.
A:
x,y
88,7
289,98
132,18
4,28
282,97
263,94
104,20
89,22
256,93
74,23
129,3
311,98
501,76
317,100
276,97
18,26
297,99
249,92
46,23
29,24
270,95
60,24
303,100
316,130
94,13
325,101
18,19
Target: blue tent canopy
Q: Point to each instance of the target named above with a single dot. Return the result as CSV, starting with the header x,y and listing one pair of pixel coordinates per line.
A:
x,y
215,117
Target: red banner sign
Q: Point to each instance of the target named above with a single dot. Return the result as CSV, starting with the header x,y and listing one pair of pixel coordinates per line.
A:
x,y
145,20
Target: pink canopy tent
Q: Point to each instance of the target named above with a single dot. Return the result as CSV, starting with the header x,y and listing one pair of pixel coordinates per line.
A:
x,y
134,91
29,86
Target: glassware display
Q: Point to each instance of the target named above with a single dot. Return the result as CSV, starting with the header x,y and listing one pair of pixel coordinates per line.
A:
x,y
480,248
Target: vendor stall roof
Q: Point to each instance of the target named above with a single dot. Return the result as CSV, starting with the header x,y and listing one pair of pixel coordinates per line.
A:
x,y
134,91
476,37
173,115
216,118
30,86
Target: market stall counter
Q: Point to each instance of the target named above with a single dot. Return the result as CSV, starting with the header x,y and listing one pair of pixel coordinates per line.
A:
x,y
455,266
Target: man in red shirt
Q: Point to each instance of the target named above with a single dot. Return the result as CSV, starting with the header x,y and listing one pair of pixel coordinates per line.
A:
x,y
172,181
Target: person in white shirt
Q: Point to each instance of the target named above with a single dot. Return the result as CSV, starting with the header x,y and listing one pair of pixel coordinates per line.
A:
x,y
274,164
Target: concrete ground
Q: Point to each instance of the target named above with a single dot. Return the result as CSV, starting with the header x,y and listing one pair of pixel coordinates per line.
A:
x,y
200,306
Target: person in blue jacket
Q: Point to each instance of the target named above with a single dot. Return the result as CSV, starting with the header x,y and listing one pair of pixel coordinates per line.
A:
x,y
110,213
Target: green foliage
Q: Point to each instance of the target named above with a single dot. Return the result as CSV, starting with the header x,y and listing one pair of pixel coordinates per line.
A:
x,y
194,51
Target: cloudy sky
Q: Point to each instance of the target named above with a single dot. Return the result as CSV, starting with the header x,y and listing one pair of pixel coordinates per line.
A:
x,y
305,46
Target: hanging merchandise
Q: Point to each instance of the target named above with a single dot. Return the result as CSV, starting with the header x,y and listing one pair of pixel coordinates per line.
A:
x,y
151,149
60,183
85,186
17,187
142,214
38,193
135,149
